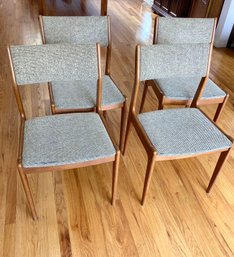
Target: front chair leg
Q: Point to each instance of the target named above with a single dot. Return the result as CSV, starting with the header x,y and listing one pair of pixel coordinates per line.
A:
x,y
222,158
148,175
115,177
122,125
220,109
27,192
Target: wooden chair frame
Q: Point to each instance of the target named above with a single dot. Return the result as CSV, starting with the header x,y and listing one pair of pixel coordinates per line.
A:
x,y
149,147
123,105
24,171
163,100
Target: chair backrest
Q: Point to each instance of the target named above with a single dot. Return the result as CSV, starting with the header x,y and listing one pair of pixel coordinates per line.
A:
x,y
168,61
184,30
52,62
75,29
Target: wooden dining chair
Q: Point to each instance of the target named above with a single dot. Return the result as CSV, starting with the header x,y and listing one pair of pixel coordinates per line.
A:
x,y
180,91
181,132
65,141
77,96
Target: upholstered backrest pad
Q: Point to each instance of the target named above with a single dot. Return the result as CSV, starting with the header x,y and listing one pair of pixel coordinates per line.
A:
x,y
165,61
44,63
76,29
185,30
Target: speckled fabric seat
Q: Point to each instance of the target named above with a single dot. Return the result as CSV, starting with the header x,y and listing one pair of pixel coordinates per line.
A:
x,y
82,94
177,132
65,139
185,88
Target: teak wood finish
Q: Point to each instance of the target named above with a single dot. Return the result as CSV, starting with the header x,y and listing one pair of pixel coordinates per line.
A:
x,y
75,217
105,108
149,147
164,100
23,171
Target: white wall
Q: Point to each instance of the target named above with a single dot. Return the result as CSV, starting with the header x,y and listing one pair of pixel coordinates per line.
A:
x,y
225,24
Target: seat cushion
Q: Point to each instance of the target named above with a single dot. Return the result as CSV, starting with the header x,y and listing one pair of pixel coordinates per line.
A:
x,y
185,88
65,139
183,131
82,94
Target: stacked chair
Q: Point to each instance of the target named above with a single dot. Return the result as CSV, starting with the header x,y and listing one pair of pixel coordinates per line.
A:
x,y
180,91
76,135
180,132
80,96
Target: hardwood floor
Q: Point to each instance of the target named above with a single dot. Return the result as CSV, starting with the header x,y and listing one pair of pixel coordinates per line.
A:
x,y
75,215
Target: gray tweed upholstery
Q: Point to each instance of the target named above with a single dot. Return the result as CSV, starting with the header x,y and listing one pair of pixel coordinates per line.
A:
x,y
164,61
185,88
65,139
184,131
44,63
185,30
82,94
76,29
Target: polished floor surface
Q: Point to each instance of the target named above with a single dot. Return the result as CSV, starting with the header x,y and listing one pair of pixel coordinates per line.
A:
x,y
75,215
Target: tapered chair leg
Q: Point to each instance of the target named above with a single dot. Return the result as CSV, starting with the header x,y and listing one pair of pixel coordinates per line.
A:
x,y
115,177
222,158
123,125
127,133
220,109
144,97
27,192
148,175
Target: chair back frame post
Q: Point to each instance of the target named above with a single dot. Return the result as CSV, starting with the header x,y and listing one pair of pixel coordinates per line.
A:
x,y
132,108
99,81
42,29
109,47
155,35
16,88
150,149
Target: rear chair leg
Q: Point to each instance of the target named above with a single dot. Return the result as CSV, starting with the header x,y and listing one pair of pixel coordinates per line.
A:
x,y
123,125
115,177
222,158
148,175
220,109
27,192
